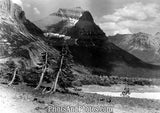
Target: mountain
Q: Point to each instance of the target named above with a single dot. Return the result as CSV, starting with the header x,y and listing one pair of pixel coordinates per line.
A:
x,y
142,45
67,17
92,49
20,38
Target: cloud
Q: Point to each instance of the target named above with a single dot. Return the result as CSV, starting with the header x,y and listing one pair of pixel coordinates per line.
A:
x,y
28,5
36,10
47,7
122,31
132,17
138,11
19,2
112,28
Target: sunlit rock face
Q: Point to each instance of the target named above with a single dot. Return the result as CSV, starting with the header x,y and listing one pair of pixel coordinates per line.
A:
x,y
18,36
5,5
143,45
72,15
13,9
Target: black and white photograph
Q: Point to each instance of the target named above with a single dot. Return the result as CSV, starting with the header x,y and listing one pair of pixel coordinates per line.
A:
x,y
79,56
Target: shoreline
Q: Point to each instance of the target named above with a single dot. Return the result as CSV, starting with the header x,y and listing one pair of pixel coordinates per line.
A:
x,y
120,88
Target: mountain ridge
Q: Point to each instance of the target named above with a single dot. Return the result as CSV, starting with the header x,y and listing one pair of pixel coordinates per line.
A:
x,y
92,48
144,46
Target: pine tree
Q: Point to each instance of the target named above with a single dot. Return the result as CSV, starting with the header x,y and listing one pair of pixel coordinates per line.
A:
x,y
66,78
64,75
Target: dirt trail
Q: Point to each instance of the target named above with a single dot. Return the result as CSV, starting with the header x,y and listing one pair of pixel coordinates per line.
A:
x,y
23,99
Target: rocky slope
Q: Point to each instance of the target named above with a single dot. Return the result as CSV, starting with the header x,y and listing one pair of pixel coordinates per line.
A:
x,y
142,45
18,36
93,50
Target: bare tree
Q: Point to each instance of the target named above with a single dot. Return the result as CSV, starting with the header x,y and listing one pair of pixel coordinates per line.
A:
x,y
44,69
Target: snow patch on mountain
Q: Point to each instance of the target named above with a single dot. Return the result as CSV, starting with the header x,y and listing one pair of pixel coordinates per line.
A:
x,y
18,2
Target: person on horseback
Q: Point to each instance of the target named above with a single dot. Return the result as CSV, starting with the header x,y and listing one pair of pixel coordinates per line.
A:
x,y
126,91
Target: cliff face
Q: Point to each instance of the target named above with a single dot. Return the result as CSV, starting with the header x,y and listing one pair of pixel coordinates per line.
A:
x,y
74,13
12,9
18,36
5,5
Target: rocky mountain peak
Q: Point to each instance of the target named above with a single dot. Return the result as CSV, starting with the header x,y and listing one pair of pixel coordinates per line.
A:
x,y
74,13
86,28
86,16
16,31
17,13
143,45
157,34
141,34
14,10
5,5
142,39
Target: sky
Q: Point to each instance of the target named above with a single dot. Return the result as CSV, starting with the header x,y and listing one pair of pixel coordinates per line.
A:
x,y
113,16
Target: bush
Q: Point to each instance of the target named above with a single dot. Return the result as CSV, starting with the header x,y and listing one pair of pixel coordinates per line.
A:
x,y
142,82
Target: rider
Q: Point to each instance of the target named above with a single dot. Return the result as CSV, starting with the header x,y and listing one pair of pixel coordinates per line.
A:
x,y
127,90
